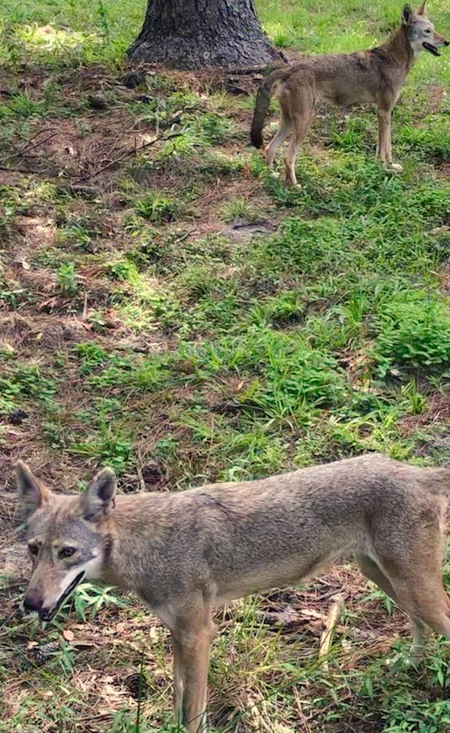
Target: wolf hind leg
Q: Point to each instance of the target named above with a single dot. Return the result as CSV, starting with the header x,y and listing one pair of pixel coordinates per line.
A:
x,y
373,572
301,114
277,140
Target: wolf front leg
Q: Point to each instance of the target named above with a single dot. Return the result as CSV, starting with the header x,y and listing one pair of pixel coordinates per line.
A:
x,y
191,645
384,148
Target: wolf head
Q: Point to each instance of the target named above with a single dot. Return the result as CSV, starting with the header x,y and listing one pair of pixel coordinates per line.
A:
x,y
66,537
421,32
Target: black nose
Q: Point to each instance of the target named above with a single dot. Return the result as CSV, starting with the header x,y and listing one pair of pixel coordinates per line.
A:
x,y
446,43
32,601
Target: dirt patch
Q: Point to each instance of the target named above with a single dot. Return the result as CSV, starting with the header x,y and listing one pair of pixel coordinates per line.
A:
x,y
38,231
63,149
42,332
437,412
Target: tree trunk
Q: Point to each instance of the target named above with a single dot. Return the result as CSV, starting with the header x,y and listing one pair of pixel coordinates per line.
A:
x,y
194,34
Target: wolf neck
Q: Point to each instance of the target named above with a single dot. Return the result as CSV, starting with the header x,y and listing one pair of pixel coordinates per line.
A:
x,y
136,531
398,49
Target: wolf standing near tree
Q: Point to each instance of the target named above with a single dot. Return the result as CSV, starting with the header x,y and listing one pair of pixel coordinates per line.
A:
x,y
366,77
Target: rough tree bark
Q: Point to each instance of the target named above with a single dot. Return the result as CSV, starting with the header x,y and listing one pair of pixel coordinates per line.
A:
x,y
193,34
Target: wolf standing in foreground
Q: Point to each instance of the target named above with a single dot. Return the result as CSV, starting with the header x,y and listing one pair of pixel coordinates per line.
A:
x,y
374,76
185,553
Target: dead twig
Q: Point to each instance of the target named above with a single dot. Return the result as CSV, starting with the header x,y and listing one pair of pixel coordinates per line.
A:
x,y
19,170
27,148
127,153
298,703
330,625
141,479
184,236
257,713
85,306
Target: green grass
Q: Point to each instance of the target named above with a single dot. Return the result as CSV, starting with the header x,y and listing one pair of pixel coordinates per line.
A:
x,y
141,330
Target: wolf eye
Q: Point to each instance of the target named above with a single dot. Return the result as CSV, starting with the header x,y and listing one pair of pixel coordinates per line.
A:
x,y
34,549
66,552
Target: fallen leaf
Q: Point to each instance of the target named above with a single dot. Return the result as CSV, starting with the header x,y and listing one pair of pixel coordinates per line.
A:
x,y
310,613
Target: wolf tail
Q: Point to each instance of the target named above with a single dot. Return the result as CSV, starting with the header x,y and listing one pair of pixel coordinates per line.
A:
x,y
263,98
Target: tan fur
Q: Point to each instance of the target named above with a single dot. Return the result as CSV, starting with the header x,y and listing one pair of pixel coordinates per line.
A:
x,y
186,553
367,77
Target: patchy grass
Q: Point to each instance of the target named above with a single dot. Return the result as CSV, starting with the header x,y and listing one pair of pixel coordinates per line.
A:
x,y
170,309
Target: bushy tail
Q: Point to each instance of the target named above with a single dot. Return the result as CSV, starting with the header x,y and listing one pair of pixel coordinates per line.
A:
x,y
263,98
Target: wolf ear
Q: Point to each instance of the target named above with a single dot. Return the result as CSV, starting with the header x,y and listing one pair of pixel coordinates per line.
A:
x,y
31,492
421,10
98,498
407,14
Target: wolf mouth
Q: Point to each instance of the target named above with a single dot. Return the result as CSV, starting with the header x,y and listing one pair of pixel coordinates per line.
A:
x,y
48,615
432,49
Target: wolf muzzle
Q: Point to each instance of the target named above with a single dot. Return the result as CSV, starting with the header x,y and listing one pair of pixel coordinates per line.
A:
x,y
433,49
34,602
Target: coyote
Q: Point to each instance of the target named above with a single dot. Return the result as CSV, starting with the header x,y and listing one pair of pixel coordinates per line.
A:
x,y
185,553
374,76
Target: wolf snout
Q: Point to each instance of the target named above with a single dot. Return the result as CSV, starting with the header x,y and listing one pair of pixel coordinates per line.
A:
x,y
34,601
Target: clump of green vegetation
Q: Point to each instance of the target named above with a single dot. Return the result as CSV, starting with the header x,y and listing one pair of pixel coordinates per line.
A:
x,y
21,384
156,208
413,332
67,278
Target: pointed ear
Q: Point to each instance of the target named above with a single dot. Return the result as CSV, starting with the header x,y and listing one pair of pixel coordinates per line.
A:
x,y
407,14
98,499
32,494
421,10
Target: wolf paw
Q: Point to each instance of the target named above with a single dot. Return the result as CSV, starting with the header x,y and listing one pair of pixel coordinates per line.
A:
x,y
394,167
417,654
292,185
